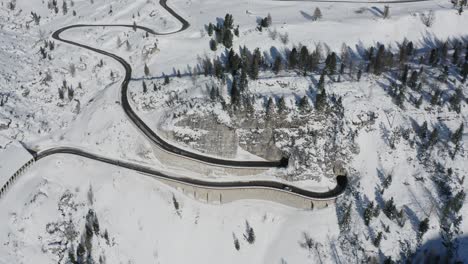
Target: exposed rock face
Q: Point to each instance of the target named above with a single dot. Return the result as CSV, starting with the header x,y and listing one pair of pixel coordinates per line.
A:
x,y
209,136
216,139
260,142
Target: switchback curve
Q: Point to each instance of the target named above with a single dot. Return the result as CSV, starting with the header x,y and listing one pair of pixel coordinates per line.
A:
x,y
148,132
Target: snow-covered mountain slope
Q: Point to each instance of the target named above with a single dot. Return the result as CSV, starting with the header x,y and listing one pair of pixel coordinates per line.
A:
x,y
49,215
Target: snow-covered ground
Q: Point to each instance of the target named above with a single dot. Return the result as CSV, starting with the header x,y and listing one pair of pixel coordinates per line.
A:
x,y
139,212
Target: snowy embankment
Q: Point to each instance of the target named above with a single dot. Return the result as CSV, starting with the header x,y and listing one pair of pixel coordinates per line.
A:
x,y
143,225
12,157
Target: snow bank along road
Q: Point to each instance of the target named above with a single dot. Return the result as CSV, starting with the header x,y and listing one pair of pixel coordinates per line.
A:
x,y
267,190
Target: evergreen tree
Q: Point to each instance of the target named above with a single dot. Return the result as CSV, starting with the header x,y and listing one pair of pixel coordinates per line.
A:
x,y
166,80
386,13
64,7
235,94
255,67
243,82
321,99
433,57
390,209
419,102
464,71
303,57
433,137
213,94
413,79
455,56
210,29
379,60
304,105
457,136
145,89
377,239
147,71
270,108
293,59
423,227
368,213
436,97
227,39
422,131
249,233
359,73
213,45
330,63
228,21
321,83
277,65
404,75
282,108
317,14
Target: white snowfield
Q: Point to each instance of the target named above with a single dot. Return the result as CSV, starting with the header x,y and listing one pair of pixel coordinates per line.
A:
x,y
140,214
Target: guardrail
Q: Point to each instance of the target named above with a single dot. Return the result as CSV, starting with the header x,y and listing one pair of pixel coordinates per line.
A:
x,y
15,176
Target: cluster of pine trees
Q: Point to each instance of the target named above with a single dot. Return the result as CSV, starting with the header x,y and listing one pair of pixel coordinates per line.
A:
x,y
222,32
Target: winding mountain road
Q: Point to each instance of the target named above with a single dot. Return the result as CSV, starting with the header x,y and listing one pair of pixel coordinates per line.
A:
x,y
342,181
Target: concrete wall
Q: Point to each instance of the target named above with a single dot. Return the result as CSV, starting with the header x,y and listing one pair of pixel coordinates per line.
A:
x,y
227,195
173,160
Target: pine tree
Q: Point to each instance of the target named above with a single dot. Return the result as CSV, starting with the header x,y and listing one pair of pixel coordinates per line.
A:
x,y
321,83
330,63
145,89
277,65
303,57
64,7
386,13
422,131
419,102
235,94
433,57
249,233
210,29
228,21
413,79
464,71
423,227
404,75
293,59
359,73
147,71
377,239
457,136
317,14
227,39
213,45
368,213
455,56
282,108
255,67
270,108
379,60
321,99
390,209
166,80
304,105
243,81
436,97
213,94
433,137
